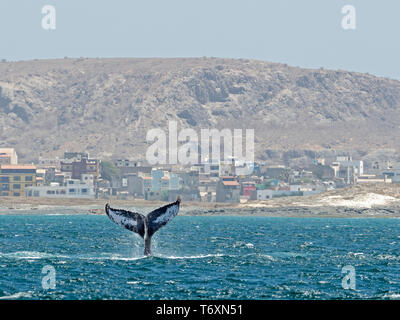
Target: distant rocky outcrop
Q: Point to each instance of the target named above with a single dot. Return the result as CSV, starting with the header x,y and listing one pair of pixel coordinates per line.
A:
x,y
106,106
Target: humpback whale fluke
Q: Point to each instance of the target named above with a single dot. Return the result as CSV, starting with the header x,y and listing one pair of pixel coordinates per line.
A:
x,y
143,225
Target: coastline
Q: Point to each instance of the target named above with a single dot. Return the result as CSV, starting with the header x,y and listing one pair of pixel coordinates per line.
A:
x,y
355,201
283,212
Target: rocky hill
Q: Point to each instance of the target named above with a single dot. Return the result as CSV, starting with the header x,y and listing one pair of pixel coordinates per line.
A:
x,y
106,106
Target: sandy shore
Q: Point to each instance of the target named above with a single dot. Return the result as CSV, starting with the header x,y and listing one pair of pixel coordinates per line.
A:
x,y
380,200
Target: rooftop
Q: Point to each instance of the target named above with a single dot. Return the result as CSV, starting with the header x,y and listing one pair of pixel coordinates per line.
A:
x,y
7,150
230,183
16,167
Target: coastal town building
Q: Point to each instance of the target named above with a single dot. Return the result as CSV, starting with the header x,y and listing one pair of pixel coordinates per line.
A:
x,y
228,190
76,175
248,188
211,169
78,164
322,172
164,184
73,188
262,194
122,163
130,166
14,179
8,156
275,172
394,174
49,163
396,177
347,161
135,185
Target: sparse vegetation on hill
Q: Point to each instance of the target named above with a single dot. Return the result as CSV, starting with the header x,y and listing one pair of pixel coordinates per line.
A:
x,y
106,106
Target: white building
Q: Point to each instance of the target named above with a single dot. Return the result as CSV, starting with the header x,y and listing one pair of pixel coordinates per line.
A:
x,y
396,177
127,163
87,179
295,190
396,173
264,194
346,161
343,158
295,187
48,163
72,189
8,156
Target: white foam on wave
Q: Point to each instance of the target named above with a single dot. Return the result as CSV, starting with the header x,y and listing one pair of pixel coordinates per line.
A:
x,y
35,255
355,254
31,255
239,244
306,244
267,256
201,256
17,295
394,296
123,258
107,257
388,257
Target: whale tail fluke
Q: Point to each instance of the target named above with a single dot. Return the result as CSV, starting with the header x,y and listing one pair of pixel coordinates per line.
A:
x,y
145,226
132,221
161,216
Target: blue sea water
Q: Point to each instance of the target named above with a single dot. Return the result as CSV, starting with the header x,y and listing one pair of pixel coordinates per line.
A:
x,y
199,257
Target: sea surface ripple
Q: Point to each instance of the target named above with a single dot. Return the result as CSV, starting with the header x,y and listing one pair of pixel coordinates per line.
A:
x,y
200,258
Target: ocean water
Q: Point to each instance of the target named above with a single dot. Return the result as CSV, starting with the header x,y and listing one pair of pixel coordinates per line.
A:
x,y
199,257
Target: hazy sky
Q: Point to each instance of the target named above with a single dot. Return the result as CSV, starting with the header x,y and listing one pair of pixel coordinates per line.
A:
x,y
305,33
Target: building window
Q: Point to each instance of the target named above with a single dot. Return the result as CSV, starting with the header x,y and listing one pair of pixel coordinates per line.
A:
x,y
16,194
4,179
17,178
17,186
84,190
28,178
71,190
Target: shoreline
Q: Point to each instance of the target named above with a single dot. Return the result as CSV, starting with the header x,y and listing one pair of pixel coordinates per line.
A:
x,y
197,211
238,215
375,200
